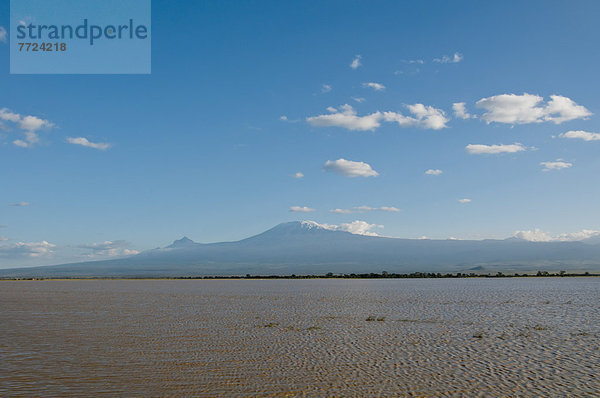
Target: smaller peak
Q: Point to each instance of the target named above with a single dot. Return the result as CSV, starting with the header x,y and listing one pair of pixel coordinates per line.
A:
x,y
183,242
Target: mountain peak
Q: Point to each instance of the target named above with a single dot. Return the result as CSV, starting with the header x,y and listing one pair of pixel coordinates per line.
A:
x,y
316,225
302,226
183,242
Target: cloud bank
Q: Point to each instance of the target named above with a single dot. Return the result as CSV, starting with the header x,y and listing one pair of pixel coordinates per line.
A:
x,y
537,235
528,108
108,249
426,117
27,249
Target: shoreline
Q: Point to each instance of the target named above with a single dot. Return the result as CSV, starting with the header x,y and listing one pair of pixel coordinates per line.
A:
x,y
384,275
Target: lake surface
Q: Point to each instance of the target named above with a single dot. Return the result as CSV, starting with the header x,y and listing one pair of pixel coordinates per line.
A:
x,y
405,337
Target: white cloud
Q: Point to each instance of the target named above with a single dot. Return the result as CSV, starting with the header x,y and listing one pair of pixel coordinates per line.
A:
x,y
21,143
562,109
363,209
283,118
582,135
391,209
374,86
27,249
413,61
433,172
479,149
457,57
9,116
108,249
31,139
426,117
360,228
33,123
346,117
84,142
298,175
558,164
464,200
460,110
342,211
20,204
533,235
538,235
301,209
3,34
578,236
356,62
528,108
359,99
325,88
349,168
29,124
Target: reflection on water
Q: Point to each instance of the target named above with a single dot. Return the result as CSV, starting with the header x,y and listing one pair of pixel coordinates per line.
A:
x,y
496,337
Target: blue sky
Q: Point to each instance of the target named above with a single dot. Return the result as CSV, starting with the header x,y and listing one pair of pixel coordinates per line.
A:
x,y
359,97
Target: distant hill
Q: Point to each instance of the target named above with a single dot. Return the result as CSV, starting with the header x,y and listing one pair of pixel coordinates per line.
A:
x,y
307,248
595,240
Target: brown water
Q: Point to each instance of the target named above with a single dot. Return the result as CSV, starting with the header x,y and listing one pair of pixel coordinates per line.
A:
x,y
465,337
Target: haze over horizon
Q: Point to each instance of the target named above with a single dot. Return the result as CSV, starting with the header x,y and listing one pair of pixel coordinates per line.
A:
x,y
473,121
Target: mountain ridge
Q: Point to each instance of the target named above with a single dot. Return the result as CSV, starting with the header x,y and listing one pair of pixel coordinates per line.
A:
x,y
310,248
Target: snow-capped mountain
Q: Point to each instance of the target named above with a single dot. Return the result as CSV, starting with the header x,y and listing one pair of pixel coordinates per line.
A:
x,y
310,248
